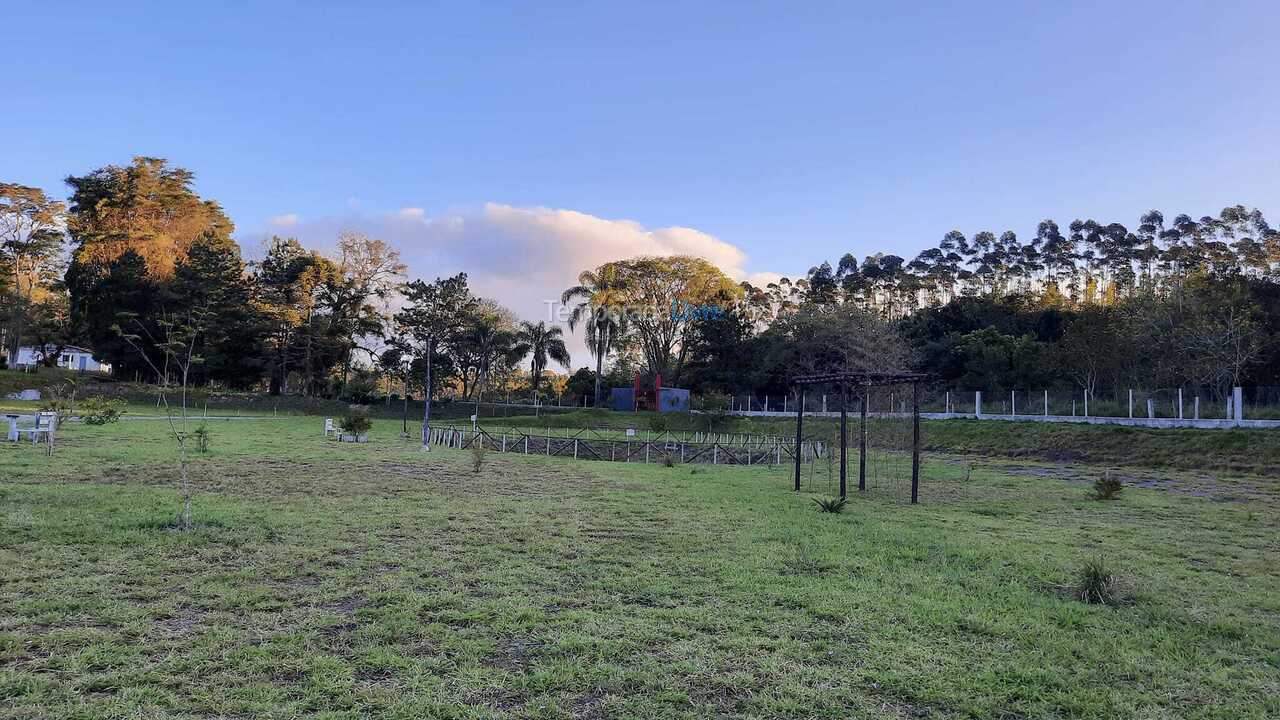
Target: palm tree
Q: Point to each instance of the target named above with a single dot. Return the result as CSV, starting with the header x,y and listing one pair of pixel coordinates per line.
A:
x,y
544,343
491,346
598,297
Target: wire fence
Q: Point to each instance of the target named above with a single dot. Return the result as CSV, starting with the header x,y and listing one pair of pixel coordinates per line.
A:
x,y
666,447
1185,403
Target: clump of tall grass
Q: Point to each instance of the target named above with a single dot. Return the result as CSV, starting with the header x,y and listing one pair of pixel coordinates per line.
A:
x,y
1098,584
1107,487
803,562
833,505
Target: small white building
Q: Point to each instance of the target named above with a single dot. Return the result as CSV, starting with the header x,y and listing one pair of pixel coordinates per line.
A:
x,y
71,358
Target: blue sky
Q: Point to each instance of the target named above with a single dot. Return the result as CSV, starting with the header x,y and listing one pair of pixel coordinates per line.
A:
x,y
793,132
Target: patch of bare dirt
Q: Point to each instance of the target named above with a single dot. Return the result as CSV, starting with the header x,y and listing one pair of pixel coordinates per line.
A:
x,y
515,654
1193,485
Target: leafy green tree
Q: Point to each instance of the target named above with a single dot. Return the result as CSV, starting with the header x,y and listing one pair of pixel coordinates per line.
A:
x,y
581,383
147,208
100,294
663,297
212,277
432,323
31,240
993,360
288,289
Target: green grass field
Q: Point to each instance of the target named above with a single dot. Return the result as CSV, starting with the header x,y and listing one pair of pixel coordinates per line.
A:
x,y
334,580
1232,451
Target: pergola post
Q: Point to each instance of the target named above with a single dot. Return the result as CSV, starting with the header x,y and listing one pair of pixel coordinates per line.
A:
x,y
799,434
915,443
862,441
844,435
862,381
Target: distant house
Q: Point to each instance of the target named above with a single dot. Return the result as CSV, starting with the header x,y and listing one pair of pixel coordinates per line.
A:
x,y
70,358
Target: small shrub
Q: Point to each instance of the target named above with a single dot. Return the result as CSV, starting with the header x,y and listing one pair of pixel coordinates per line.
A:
x,y
478,452
713,409
201,436
834,505
356,423
101,411
1097,584
668,460
658,423
57,405
1107,487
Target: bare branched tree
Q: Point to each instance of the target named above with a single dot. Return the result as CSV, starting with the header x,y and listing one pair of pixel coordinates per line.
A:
x,y
176,338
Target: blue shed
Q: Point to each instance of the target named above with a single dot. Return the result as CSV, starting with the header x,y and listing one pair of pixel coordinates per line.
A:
x,y
673,400
623,399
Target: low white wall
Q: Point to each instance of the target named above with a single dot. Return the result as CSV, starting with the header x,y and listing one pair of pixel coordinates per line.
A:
x,y
1091,420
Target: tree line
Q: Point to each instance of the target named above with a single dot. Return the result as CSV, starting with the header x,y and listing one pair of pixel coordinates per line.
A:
x,y
1099,308
135,251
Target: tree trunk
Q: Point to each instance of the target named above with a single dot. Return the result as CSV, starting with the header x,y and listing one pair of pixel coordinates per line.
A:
x,y
599,369
307,372
284,365
426,401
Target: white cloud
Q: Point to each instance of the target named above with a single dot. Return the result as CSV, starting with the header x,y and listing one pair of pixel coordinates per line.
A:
x,y
286,220
523,257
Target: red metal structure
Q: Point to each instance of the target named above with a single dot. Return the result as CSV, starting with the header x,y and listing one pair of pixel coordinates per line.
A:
x,y
647,398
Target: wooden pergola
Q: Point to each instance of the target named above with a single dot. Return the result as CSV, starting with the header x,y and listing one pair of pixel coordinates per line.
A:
x,y
863,380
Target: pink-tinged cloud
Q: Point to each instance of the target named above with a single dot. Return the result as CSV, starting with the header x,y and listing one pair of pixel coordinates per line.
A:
x,y
524,257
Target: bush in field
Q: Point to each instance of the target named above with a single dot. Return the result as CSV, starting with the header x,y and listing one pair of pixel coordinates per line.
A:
x,y
658,423
1107,487
712,409
202,436
57,405
101,411
1098,584
834,505
356,423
